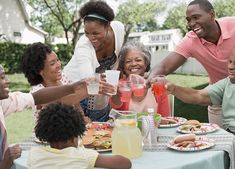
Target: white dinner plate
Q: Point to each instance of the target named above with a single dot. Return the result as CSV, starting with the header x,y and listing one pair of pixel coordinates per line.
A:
x,y
180,120
204,129
104,150
203,142
36,140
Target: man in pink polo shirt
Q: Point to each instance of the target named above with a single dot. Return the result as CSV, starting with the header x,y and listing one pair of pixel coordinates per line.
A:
x,y
210,41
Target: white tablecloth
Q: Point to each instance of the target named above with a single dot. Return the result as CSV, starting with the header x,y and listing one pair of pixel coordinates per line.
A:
x,y
163,158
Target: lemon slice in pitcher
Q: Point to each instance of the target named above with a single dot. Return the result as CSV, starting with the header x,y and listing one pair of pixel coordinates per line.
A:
x,y
125,123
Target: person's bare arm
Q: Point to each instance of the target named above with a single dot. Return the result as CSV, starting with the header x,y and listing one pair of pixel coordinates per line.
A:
x,y
189,95
113,162
168,65
49,94
74,99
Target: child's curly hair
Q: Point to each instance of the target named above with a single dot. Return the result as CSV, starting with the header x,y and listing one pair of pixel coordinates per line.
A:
x,y
59,122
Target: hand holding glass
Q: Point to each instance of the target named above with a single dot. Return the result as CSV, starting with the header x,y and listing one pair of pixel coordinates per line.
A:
x,y
159,85
112,77
93,85
125,90
138,84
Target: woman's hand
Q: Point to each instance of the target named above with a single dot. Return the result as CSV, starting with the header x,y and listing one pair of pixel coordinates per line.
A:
x,y
107,89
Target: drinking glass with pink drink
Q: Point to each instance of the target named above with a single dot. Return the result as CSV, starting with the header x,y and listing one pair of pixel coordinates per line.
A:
x,y
138,89
125,90
138,84
159,85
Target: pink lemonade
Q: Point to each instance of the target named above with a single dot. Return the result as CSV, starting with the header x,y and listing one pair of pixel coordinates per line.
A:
x,y
125,94
158,89
138,90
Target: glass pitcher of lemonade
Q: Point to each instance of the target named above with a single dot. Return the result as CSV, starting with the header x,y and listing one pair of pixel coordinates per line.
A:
x,y
126,137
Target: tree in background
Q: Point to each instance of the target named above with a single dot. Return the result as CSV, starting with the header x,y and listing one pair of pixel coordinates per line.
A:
x,y
136,15
58,16
176,18
224,8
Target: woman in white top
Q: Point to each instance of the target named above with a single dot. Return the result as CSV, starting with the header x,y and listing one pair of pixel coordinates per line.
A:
x,y
95,52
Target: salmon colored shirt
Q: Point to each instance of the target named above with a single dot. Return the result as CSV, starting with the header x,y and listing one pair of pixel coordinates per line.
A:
x,y
213,57
17,101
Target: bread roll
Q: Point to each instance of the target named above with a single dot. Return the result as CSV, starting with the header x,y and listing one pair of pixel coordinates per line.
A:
x,y
185,137
193,122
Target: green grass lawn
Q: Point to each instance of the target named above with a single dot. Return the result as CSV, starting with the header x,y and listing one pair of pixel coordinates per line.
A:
x,y
18,83
20,125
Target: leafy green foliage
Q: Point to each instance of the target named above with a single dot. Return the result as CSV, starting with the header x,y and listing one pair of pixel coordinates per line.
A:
x,y
11,54
57,16
134,14
224,8
176,18
64,52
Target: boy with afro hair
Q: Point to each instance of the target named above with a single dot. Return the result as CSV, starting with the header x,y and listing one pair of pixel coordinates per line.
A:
x,y
61,126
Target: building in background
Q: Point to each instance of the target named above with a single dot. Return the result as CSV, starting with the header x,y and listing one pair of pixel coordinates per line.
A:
x,y
158,40
15,25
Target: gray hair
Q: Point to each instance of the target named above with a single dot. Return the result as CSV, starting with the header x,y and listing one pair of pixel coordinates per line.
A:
x,y
137,46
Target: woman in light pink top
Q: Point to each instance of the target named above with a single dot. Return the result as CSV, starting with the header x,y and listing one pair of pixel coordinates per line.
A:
x,y
135,59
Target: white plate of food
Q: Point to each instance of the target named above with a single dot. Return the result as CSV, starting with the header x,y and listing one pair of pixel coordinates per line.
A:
x,y
193,126
98,137
172,121
190,142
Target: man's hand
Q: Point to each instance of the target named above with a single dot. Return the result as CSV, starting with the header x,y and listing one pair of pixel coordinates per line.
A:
x,y
170,87
80,87
15,151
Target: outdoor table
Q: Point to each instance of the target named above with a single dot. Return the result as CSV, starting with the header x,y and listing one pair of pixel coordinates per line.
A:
x,y
162,157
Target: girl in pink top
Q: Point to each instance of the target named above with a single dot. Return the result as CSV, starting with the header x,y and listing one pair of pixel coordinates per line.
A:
x,y
135,59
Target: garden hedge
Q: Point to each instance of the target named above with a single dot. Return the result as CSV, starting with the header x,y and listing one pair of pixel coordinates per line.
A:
x,y
11,53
